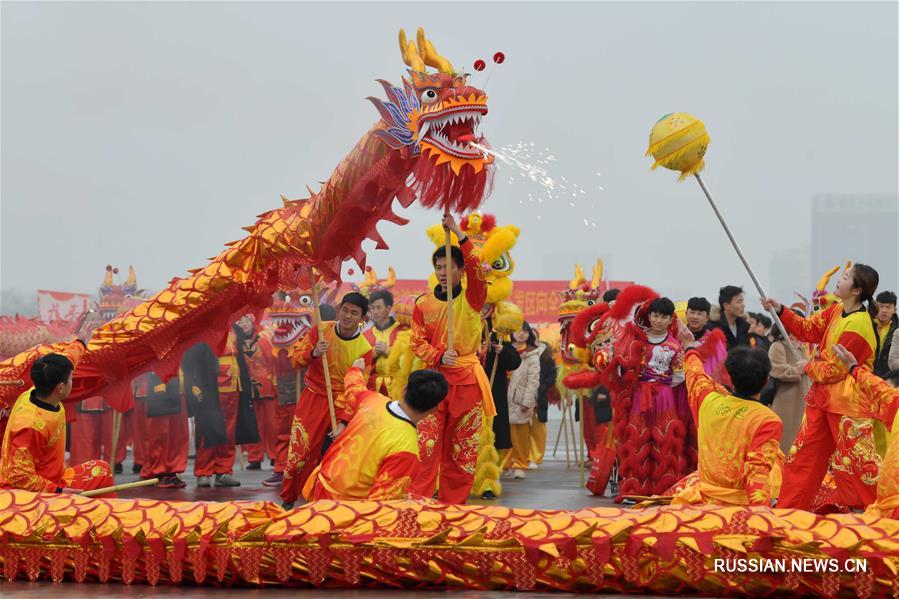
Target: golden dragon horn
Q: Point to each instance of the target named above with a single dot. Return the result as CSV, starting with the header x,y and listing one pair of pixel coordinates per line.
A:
x,y
390,281
430,55
597,274
578,279
410,54
822,283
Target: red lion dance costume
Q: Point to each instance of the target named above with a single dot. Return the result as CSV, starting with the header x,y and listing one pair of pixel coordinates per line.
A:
x,y
650,416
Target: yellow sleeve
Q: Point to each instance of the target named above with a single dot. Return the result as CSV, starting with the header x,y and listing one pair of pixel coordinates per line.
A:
x,y
355,391
877,398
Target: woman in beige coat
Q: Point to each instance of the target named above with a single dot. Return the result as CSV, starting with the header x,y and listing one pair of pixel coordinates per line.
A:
x,y
792,385
523,386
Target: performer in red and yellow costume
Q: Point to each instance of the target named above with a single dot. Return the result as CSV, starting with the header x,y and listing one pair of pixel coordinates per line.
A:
x,y
383,333
493,244
879,398
260,359
739,438
833,419
34,442
448,439
167,432
343,343
376,457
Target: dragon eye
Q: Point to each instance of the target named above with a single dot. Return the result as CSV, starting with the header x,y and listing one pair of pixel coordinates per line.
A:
x,y
305,300
591,302
429,96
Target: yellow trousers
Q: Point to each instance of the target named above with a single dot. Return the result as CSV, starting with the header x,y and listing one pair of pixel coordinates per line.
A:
x,y
521,446
538,440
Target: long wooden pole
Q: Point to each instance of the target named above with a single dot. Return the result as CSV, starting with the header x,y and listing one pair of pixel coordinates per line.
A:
x,y
116,427
572,428
493,370
561,428
15,383
449,287
317,319
755,280
123,487
580,445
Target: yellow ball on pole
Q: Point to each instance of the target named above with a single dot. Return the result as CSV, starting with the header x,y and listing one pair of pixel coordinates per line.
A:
x,y
678,141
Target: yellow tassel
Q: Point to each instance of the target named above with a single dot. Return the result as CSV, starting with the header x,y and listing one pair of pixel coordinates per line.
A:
x,y
696,168
487,470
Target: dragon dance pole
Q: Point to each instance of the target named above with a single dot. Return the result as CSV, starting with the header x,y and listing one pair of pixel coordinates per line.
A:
x,y
116,429
745,262
15,383
559,434
449,288
580,444
317,319
124,486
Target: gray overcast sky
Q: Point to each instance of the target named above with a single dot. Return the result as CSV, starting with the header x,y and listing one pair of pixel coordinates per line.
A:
x,y
149,133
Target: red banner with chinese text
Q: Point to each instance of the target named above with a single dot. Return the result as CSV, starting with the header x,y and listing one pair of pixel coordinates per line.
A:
x,y
539,300
61,305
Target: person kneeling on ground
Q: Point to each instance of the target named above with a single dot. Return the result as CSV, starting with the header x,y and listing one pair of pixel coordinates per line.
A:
x,y
34,445
740,460
376,456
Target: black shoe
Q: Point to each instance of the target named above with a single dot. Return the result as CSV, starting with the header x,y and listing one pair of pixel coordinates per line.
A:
x,y
287,505
488,494
118,469
254,466
136,468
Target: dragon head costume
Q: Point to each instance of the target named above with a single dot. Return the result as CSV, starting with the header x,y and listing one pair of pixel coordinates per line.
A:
x,y
419,149
290,315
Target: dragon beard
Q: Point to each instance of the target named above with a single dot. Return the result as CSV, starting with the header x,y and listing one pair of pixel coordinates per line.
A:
x,y
438,185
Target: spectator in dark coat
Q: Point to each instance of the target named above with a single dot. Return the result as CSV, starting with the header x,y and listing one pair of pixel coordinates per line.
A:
x,y
509,360
885,325
732,320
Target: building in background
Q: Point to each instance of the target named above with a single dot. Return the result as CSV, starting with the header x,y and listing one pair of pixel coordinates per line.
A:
x,y
788,273
858,227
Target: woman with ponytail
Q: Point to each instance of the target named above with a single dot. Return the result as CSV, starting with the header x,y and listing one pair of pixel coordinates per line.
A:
x,y
834,425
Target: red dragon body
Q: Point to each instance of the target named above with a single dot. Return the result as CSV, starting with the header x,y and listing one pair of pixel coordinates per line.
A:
x,y
417,150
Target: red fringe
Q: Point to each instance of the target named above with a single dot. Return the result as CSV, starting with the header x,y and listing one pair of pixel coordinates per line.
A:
x,y
583,380
711,344
488,223
438,186
628,298
578,332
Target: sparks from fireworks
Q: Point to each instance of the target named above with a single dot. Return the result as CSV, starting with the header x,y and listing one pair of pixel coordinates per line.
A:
x,y
528,163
